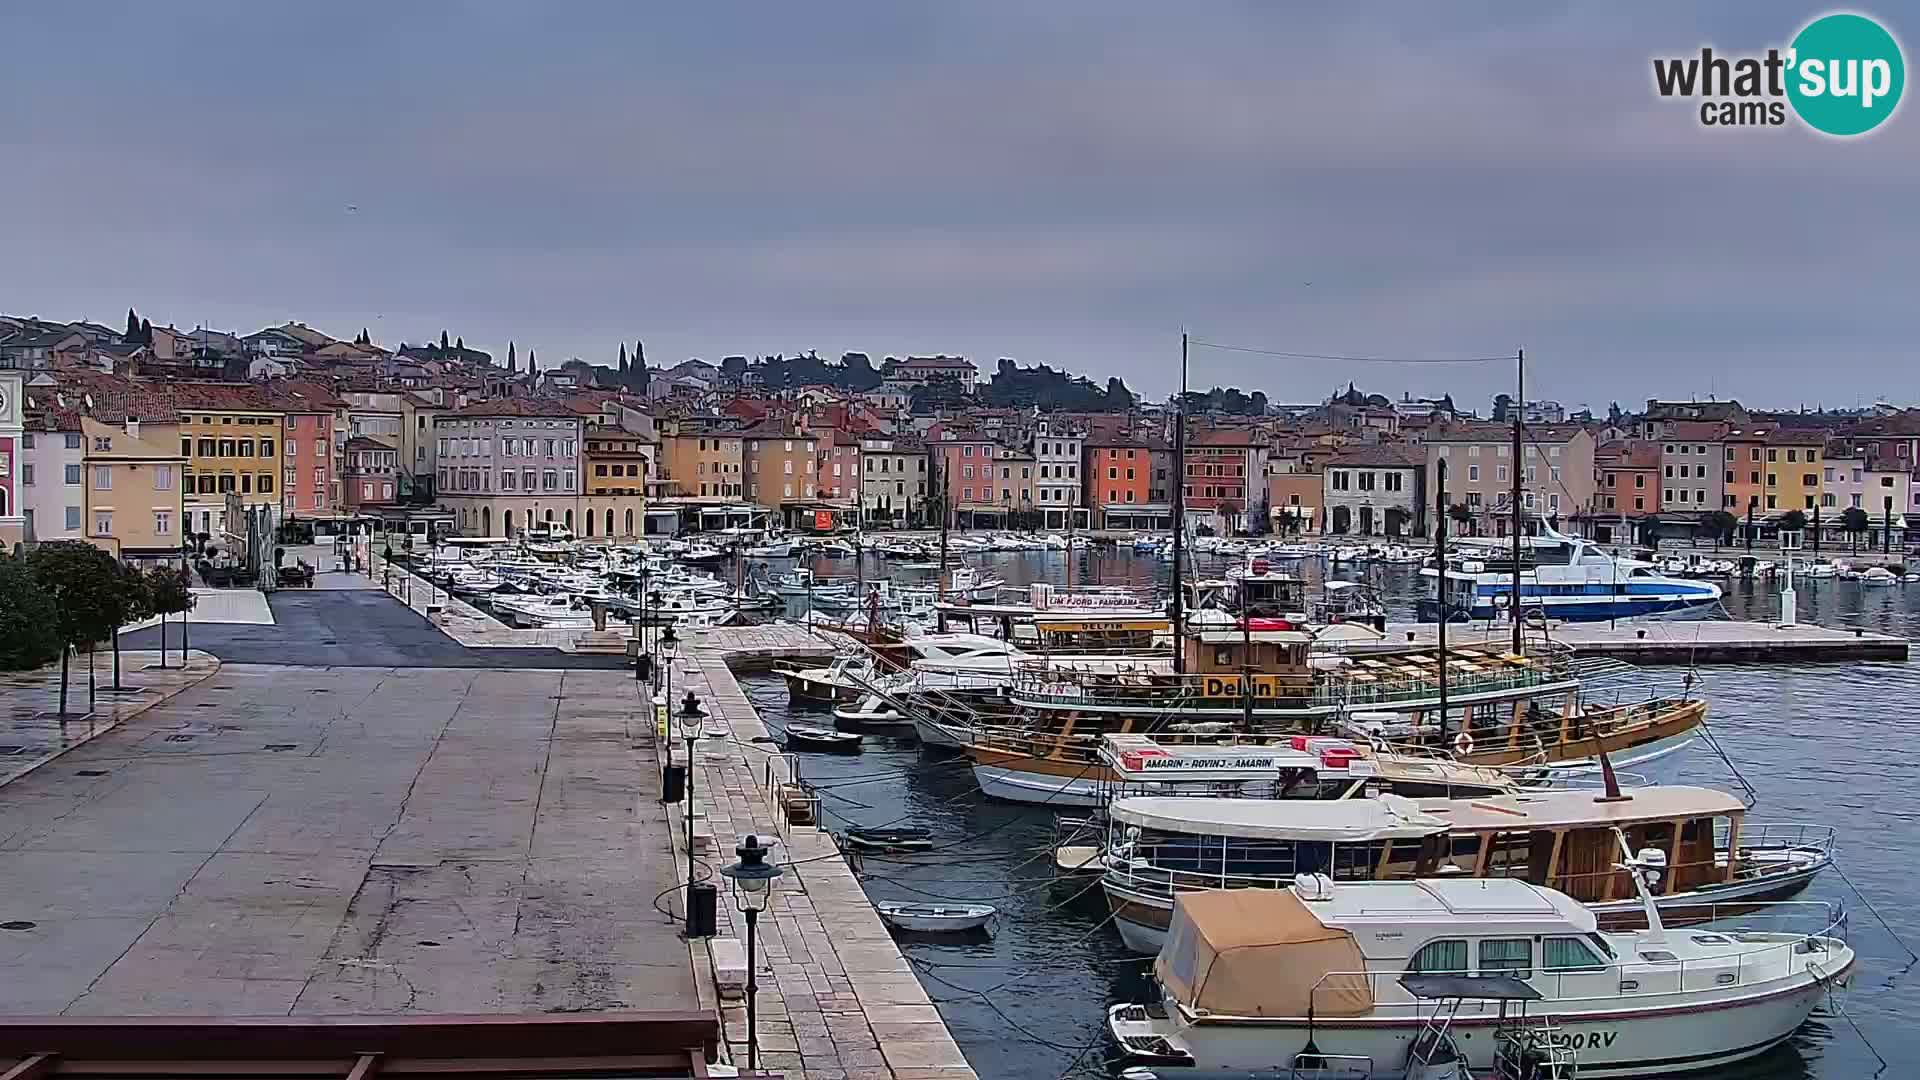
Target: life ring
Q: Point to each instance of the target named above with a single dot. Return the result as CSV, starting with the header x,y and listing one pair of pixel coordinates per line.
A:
x,y
1463,744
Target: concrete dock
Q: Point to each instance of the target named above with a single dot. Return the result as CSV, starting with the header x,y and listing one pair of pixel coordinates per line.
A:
x,y
837,997
1688,642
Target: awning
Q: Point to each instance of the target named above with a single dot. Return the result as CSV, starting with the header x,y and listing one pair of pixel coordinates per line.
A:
x,y
1260,952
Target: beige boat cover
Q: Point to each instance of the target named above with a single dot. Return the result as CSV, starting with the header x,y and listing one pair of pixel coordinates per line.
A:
x,y
1260,952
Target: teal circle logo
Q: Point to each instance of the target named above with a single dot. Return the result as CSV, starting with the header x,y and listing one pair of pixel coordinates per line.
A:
x,y
1845,74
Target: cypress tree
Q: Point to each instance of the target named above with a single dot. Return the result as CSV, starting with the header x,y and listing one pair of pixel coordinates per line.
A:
x,y
460,343
133,326
443,339
146,332
513,365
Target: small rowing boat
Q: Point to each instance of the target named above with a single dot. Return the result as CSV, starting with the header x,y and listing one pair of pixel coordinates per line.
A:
x,y
935,918
808,737
910,839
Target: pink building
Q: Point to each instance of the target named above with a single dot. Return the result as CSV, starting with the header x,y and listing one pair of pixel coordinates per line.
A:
x,y
308,482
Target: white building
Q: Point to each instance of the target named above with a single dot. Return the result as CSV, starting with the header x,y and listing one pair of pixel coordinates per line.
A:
x,y
1057,482
48,480
504,464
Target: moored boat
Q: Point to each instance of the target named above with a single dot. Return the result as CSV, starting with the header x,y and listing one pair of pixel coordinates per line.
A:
x,y
1314,973
808,737
1709,858
935,918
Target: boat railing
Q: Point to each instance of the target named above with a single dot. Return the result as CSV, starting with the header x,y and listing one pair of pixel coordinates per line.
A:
x,y
1537,734
1049,684
1761,838
1760,961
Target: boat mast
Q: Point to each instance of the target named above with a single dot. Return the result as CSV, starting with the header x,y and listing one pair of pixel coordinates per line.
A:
x,y
945,491
1520,411
1179,509
1440,583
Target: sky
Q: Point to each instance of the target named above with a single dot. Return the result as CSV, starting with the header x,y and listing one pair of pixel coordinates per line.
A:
x,y
1069,183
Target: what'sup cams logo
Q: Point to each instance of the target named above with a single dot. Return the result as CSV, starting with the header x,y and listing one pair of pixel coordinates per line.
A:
x,y
1842,76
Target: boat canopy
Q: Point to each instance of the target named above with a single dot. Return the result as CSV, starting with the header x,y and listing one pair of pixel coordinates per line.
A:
x,y
1260,952
1579,809
1388,817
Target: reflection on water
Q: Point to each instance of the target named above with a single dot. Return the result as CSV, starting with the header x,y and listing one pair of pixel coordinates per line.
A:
x,y
1828,744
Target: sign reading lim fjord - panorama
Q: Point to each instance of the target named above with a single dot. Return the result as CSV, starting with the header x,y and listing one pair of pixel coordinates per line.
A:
x,y
1842,75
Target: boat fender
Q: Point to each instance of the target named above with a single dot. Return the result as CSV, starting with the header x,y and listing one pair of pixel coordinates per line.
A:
x,y
1463,743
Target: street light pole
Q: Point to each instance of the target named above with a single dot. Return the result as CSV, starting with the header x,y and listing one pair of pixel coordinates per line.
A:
x,y
690,729
752,879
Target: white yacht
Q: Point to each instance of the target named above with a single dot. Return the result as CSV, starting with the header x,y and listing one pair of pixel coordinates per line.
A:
x,y
1270,979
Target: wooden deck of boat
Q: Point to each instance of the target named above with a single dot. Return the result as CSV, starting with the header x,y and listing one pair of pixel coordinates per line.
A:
x,y
1682,642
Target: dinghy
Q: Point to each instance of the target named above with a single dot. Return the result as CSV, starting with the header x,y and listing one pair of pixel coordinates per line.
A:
x,y
808,737
935,918
889,839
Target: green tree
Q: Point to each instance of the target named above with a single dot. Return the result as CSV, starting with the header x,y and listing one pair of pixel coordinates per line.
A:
x,y
513,363
135,602
133,327
1794,521
146,332
169,592
1855,521
443,340
1461,515
80,580
27,639
460,344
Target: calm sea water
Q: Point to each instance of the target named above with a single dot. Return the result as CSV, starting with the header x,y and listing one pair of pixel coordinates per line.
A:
x,y
1827,744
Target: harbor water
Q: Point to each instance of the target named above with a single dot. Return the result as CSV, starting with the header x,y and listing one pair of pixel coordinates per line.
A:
x,y
1831,744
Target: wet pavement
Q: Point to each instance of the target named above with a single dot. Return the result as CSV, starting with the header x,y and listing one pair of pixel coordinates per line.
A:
x,y
352,840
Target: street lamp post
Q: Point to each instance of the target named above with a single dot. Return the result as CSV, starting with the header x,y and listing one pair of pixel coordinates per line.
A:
x,y
752,879
668,643
690,717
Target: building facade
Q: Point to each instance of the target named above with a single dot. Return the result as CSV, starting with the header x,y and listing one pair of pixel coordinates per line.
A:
x,y
231,437
781,465
506,464
618,463
1057,487
893,480
49,485
1220,473
369,475
1555,472
133,489
13,524
1375,491
703,464
1631,479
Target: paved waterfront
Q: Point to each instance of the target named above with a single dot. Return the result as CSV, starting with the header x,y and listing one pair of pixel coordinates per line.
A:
x,y
352,625
32,731
356,840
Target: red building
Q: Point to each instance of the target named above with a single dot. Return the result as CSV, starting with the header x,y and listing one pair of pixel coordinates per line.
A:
x,y
371,476
307,464
1219,471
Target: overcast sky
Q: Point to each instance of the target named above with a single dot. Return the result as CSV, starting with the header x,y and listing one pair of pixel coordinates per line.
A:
x,y
1068,183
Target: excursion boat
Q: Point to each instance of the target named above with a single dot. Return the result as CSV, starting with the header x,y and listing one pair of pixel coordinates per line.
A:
x,y
1226,765
1316,977
1259,679
1706,857
1562,577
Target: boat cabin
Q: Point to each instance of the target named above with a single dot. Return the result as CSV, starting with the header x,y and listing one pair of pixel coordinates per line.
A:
x,y
1271,654
1091,632
1565,839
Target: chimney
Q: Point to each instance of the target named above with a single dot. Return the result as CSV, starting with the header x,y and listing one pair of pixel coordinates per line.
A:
x,y
133,428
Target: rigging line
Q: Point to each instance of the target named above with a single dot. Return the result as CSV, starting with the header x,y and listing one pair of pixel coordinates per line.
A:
x,y
1833,1006
1351,359
1912,957
991,1004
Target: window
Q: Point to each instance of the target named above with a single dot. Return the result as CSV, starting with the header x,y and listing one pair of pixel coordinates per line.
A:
x,y
246,483
163,478
26,473
1509,956
103,523
1447,957
1792,454
73,477
1700,496
73,442
1567,954
266,484
163,523
186,447
1773,479
1501,474
1640,481
73,517
568,478
102,478
1772,503
266,447
1473,472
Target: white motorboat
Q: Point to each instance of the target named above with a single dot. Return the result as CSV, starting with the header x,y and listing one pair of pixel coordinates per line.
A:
x,y
1564,577
845,679
772,549
1878,577
1311,973
835,549
935,918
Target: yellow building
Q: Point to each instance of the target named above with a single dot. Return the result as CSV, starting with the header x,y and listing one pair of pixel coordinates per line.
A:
x,y
703,464
617,466
230,436
133,479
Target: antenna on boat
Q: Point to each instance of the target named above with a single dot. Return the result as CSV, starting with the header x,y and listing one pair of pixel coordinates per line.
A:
x,y
1612,782
1519,414
1179,509
1440,582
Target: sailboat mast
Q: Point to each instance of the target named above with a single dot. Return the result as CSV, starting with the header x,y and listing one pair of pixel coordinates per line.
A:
x,y
1180,511
1520,412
